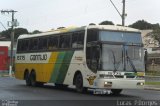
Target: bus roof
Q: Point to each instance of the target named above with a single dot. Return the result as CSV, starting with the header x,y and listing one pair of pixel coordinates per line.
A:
x,y
113,28
72,29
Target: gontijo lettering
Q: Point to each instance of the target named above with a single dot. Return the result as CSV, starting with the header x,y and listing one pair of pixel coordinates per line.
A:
x,y
38,57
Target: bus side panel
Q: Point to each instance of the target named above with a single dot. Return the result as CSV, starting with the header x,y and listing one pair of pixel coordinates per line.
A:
x,y
37,67
42,68
50,66
76,64
19,73
61,67
64,67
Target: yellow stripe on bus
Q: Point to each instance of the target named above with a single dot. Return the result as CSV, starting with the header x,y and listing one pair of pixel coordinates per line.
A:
x,y
52,61
43,70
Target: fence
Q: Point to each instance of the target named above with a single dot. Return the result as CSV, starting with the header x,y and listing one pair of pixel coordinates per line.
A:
x,y
153,62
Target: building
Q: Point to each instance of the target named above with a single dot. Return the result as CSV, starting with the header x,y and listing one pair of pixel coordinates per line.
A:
x,y
4,58
153,49
148,41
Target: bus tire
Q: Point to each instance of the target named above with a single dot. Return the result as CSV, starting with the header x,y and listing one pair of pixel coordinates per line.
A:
x,y
39,84
116,91
79,83
33,78
27,78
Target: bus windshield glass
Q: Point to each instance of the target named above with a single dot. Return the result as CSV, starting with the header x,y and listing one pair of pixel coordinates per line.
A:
x,y
121,56
134,58
112,57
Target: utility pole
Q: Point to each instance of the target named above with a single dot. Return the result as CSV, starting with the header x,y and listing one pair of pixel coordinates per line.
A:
x,y
13,24
123,15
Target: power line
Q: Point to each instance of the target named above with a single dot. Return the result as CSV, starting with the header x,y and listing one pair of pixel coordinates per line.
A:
x,y
123,11
3,25
116,8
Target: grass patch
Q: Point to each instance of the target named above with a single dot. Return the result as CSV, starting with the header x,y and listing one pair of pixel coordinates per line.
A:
x,y
153,73
152,83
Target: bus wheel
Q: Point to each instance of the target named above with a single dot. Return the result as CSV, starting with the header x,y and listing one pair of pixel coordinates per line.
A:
x,y
116,91
39,84
79,83
27,79
33,78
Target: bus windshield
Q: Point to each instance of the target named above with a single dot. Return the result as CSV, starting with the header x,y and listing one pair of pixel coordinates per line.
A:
x,y
122,56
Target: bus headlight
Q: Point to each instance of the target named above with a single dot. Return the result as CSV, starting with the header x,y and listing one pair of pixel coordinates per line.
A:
x,y
140,83
107,84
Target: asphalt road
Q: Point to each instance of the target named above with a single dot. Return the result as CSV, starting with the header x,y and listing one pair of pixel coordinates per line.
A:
x,y
16,90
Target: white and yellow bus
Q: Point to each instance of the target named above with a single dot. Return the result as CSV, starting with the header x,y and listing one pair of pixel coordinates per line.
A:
x,y
95,56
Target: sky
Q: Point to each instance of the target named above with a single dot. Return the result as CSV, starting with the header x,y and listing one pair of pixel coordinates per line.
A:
x,y
45,15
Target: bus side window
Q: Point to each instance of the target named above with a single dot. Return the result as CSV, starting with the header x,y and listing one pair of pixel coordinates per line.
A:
x,y
25,45
33,44
74,40
61,44
53,43
65,41
42,43
44,46
92,35
88,56
19,47
78,40
92,57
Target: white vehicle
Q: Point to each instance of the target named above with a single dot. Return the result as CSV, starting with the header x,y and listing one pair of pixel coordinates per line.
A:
x,y
95,56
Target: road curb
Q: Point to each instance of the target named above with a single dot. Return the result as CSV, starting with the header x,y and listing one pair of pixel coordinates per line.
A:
x,y
156,89
6,75
152,88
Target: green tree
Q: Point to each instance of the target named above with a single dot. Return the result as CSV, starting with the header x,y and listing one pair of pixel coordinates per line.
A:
x,y
106,23
36,32
155,26
20,31
6,33
92,24
17,33
141,24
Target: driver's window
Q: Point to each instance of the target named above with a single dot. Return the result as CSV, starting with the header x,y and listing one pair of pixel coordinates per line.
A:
x,y
92,58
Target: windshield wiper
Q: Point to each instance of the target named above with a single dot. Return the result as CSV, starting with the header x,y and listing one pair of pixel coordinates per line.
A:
x,y
131,63
114,62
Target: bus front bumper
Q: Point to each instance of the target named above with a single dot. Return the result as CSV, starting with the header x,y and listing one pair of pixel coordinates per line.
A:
x,y
118,84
